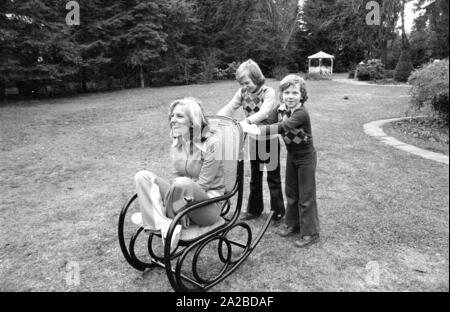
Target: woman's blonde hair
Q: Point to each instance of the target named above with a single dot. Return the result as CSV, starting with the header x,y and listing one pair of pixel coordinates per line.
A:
x,y
293,80
199,127
253,71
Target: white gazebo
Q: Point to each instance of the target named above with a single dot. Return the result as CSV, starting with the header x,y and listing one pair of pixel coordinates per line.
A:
x,y
321,69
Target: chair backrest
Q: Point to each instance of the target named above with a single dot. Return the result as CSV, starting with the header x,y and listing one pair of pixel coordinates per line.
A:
x,y
231,137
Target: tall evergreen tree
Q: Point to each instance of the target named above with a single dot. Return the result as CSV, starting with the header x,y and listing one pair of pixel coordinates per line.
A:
x,y
35,46
137,35
92,41
277,22
430,35
226,32
339,27
178,63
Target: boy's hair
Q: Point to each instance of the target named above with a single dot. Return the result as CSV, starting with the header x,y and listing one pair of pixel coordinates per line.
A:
x,y
292,80
253,71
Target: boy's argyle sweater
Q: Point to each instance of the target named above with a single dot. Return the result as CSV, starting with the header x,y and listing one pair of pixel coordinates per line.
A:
x,y
294,126
251,103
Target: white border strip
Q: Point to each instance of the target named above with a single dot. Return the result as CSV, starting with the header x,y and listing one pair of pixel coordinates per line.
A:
x,y
374,129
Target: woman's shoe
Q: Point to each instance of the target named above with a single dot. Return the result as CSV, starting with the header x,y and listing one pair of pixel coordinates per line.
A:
x,y
306,241
136,218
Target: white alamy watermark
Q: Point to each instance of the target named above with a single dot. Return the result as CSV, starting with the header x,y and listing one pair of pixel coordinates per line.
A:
x,y
73,17
373,17
72,273
373,273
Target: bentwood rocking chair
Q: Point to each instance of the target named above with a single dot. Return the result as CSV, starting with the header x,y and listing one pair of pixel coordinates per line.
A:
x,y
225,245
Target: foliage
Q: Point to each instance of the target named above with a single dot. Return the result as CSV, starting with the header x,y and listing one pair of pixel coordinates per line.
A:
x,y
35,49
129,43
430,88
279,72
404,67
316,76
389,74
430,31
370,70
351,74
339,27
228,73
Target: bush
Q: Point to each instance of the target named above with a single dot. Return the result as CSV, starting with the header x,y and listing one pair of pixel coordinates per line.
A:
x,y
227,73
279,72
389,74
351,74
430,88
230,71
404,67
370,70
219,74
316,76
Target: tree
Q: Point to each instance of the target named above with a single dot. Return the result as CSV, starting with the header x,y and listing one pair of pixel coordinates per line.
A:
x,y
404,66
178,63
225,32
275,24
137,37
430,35
35,43
339,27
92,41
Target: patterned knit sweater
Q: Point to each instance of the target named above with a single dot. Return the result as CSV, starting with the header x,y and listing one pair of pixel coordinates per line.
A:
x,y
294,126
257,105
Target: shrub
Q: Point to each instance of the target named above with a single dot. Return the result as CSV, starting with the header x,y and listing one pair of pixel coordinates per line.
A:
x,y
404,67
316,76
226,73
370,70
219,74
230,71
389,73
351,74
279,72
430,88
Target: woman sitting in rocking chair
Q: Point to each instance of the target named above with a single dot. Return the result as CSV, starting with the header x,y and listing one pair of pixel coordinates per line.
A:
x,y
198,174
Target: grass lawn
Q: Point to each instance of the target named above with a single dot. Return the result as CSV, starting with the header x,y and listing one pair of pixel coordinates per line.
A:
x,y
67,166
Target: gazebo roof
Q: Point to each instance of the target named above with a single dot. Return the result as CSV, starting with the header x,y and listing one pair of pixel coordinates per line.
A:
x,y
321,55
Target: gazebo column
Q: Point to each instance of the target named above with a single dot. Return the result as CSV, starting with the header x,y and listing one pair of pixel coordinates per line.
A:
x,y
309,65
332,66
320,66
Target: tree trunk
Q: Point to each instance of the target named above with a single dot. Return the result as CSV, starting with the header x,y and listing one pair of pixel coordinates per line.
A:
x,y
384,51
141,76
83,79
405,43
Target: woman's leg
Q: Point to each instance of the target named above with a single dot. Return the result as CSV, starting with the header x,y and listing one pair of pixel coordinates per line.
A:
x,y
150,189
183,189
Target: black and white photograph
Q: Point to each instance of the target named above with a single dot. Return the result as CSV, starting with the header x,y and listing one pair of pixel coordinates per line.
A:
x,y
248,147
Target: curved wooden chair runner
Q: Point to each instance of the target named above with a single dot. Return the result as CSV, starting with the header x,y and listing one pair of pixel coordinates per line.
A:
x,y
231,251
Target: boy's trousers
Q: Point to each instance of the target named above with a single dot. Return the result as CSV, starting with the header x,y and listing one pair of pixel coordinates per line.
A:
x,y
265,153
300,191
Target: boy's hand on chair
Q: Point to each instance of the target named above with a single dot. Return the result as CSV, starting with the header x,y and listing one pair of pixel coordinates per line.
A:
x,y
250,129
